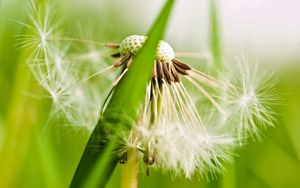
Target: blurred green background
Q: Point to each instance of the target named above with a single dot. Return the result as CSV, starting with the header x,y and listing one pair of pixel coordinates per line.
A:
x,y
265,30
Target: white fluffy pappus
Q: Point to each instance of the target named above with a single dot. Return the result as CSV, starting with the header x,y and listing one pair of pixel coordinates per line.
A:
x,y
64,73
249,97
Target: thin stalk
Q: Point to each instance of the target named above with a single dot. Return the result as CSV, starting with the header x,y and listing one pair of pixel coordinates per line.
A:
x,y
155,103
215,46
129,174
215,34
79,40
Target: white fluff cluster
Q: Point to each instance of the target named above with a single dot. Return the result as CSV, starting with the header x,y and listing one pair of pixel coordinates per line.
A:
x,y
186,151
178,138
248,98
62,72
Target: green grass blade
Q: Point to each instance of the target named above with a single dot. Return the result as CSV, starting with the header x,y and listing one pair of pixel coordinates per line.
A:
x,y
215,34
99,160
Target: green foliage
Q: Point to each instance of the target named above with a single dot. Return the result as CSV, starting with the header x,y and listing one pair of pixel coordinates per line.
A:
x,y
215,34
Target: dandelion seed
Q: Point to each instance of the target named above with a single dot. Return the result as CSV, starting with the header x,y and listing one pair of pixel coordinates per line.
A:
x,y
57,69
249,98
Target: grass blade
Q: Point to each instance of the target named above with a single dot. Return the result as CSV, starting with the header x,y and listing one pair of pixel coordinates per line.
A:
x,y
215,35
99,159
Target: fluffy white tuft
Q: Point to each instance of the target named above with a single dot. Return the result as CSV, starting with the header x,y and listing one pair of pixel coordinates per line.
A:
x,y
63,72
248,98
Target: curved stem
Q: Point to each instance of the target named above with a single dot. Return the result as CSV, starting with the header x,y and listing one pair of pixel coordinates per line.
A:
x,y
129,174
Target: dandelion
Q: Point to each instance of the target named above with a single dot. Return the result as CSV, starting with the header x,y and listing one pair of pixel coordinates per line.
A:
x,y
171,133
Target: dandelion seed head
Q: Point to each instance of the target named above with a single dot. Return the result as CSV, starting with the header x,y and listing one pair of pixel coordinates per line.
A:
x,y
171,133
165,52
134,43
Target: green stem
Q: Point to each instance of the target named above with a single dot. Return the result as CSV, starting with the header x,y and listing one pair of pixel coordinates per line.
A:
x,y
155,105
215,34
129,176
